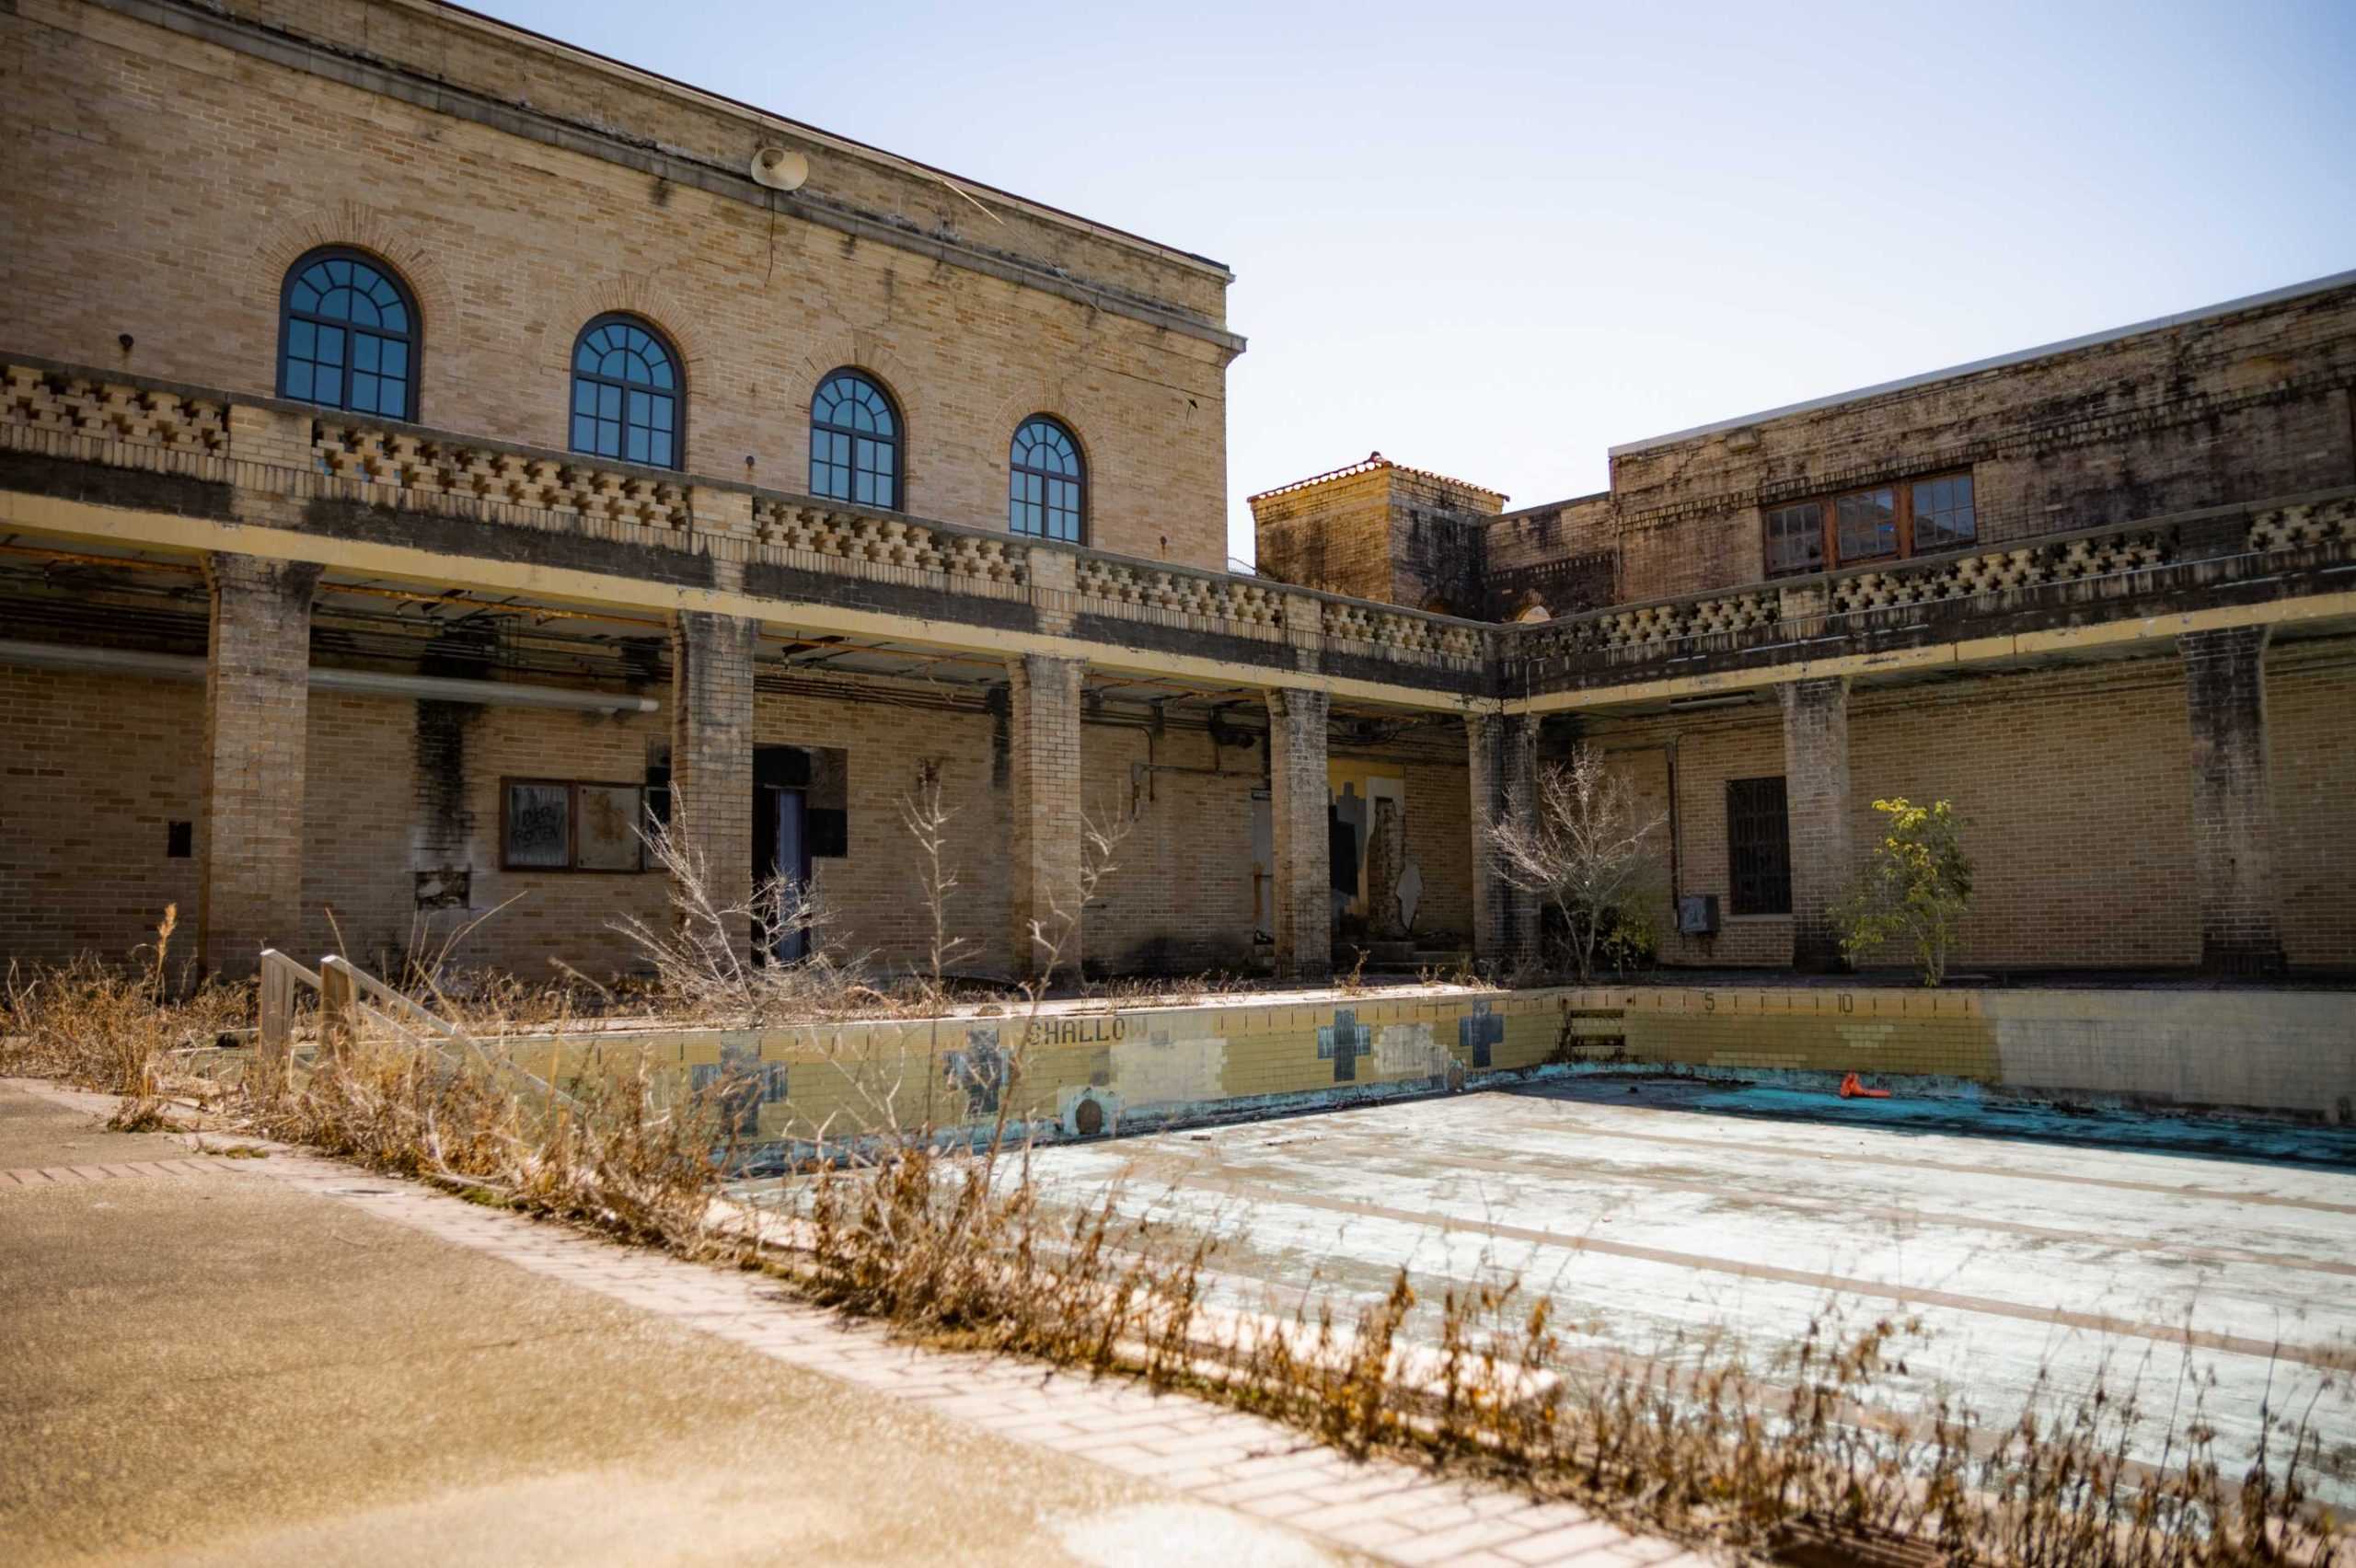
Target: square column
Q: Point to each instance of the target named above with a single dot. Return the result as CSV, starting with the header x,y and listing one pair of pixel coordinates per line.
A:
x,y
2232,800
1301,892
1501,762
1042,770
257,712
1816,788
711,758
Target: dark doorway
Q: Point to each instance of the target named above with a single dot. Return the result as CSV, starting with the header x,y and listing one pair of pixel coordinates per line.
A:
x,y
781,837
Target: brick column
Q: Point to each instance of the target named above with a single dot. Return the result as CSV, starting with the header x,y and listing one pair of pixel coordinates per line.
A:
x,y
711,753
2233,803
1043,741
257,703
1816,788
1301,891
1501,761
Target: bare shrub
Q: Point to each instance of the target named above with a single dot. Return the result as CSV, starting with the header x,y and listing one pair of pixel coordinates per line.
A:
x,y
117,1028
947,1233
618,1156
928,817
703,960
1582,847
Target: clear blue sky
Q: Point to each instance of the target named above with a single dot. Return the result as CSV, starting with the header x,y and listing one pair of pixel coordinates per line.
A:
x,y
1494,238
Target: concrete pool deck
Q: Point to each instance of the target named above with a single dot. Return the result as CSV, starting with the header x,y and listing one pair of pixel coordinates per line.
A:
x,y
2031,1243
292,1360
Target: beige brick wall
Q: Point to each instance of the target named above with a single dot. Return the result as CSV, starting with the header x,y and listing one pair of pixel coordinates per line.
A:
x,y
1393,534
95,769
167,183
2077,793
2077,865
2231,408
1300,885
248,831
103,762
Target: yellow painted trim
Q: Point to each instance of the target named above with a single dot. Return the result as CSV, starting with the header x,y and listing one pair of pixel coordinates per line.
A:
x,y
80,520
1975,650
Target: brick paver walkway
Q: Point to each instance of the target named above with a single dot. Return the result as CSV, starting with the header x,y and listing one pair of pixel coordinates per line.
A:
x,y
1386,1511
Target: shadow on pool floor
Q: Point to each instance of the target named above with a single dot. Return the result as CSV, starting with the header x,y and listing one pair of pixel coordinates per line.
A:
x,y
1963,1110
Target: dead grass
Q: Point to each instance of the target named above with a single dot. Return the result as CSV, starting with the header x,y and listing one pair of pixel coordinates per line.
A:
x,y
121,1028
947,1235
625,1157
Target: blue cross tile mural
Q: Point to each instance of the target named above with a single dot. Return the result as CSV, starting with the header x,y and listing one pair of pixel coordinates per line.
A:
x,y
980,1069
1479,1033
1342,1042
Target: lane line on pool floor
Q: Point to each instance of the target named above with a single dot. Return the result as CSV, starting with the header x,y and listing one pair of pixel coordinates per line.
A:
x,y
2311,1355
1525,1170
1783,1151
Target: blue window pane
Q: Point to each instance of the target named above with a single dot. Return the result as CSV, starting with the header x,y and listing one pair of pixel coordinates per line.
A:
x,y
327,386
624,376
396,358
395,316
303,297
331,349
364,352
298,379
340,273
363,311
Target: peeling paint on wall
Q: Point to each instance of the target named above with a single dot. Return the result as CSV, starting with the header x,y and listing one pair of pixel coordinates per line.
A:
x,y
1164,1069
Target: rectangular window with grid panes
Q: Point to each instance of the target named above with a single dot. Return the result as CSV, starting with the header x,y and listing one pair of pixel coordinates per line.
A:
x,y
1758,847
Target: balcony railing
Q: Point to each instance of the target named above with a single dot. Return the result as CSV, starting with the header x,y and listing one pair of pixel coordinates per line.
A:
x,y
829,548
1941,595
131,421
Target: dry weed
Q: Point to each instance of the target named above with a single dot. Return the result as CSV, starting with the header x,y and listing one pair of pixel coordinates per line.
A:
x,y
946,1233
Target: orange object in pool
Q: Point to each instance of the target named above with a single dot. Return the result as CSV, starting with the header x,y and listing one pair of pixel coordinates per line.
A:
x,y
1852,1089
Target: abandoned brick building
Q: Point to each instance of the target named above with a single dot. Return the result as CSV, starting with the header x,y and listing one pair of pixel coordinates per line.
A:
x,y
429,451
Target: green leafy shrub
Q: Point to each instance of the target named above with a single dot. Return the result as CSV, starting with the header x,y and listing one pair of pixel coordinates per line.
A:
x,y
1917,886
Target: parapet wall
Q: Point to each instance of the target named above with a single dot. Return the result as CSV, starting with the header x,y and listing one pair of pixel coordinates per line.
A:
x,y
2283,1052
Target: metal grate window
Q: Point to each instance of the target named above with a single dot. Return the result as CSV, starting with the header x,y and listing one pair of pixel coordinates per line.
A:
x,y
1758,847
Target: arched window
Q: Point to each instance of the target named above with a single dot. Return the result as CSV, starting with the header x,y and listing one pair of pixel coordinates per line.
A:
x,y
1047,493
626,393
854,442
347,336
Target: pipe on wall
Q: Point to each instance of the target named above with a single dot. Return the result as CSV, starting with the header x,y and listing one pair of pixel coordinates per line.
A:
x,y
364,683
